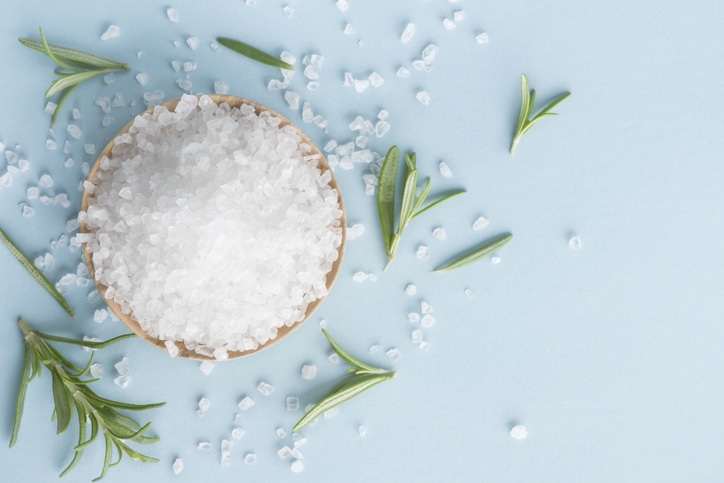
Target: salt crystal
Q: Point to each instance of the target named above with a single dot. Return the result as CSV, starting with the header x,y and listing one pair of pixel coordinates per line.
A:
x,y
106,121
75,113
427,321
281,433
265,389
122,381
342,5
100,315
448,24
204,405
62,200
360,276
297,453
375,348
482,38
190,66
27,211
424,345
393,354
469,293
176,65
422,252
375,79
423,97
382,128
288,57
226,446
142,78
445,170
459,16
402,72
39,262
51,145
172,14
575,243
519,432
495,260
50,107
192,42
206,367
89,148
284,452
309,372
362,431
439,233
122,366
348,29
416,336
251,3
109,78
292,403
319,121
246,403
410,289
316,60
292,99
237,433
313,86
69,163
250,458
307,113
429,53
425,307
355,231
348,79
333,358
408,33
481,223
221,87
184,84
171,348
23,164
111,33
214,46
420,64
204,445
96,370
288,10
45,181
361,84
370,190
178,466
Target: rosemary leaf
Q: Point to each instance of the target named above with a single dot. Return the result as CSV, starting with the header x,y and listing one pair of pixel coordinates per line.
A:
x,y
30,267
24,380
476,254
347,357
76,56
253,53
435,203
527,100
386,195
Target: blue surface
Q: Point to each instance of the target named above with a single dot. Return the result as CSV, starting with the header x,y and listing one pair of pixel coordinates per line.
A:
x,y
610,355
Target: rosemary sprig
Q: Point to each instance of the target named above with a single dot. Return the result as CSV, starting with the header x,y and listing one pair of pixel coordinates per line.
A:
x,y
75,67
526,109
30,267
72,395
410,205
362,377
253,53
476,254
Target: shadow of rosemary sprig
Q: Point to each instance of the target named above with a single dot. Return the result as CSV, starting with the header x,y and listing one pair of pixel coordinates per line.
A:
x,y
74,67
362,377
73,396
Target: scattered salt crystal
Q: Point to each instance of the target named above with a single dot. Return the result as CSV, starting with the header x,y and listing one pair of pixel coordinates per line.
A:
x,y
237,433
420,64
316,60
342,5
297,453
423,252
423,97
184,84
111,33
74,131
100,315
221,87
519,432
284,452
50,107
360,84
361,141
226,446
281,433
469,293
424,345
142,78
75,113
89,148
204,445
106,121
313,86
176,65
323,324
292,403
178,466
109,78
375,79
27,210
288,57
265,389
393,354
416,336
348,29
429,53
122,381
360,276
307,113
171,347
309,372
333,358
408,33
292,99
192,42
122,366
190,66
425,307
362,431
427,321
375,348
459,16
482,38
319,121
250,458
204,405
448,24
439,233
23,164
96,370
575,243
495,260
348,79
370,190
410,289
206,367
481,223
445,170
246,403
382,128
288,10
402,72
172,14
355,231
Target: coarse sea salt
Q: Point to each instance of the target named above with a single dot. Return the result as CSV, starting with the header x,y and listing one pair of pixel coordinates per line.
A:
x,y
226,232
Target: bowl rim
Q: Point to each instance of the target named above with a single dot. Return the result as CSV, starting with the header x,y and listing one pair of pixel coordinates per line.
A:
x,y
285,330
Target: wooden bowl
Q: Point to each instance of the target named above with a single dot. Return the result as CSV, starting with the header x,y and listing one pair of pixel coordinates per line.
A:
x,y
283,331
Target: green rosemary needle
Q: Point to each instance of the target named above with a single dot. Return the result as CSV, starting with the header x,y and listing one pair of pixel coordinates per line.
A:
x,y
362,377
75,67
30,267
527,101
253,53
72,395
476,254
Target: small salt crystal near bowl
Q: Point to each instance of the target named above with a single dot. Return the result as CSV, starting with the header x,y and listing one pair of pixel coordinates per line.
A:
x,y
281,332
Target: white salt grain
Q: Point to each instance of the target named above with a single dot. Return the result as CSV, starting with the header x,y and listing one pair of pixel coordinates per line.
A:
x,y
142,78
50,107
288,10
427,321
423,97
416,336
281,433
178,466
360,276
459,16
481,223
408,33
171,348
355,231
250,458
413,317
96,370
265,389
448,24
519,432
112,32
172,14
204,405
469,293
393,354
375,348
284,452
192,42
292,99
221,87
439,233
348,29
204,445
206,367
429,53
246,403
292,403
425,307
482,38
410,289
122,381
495,260
333,358
100,315
423,252
33,192
237,433
402,72
362,431
89,148
309,372
375,79
445,170
575,243
342,5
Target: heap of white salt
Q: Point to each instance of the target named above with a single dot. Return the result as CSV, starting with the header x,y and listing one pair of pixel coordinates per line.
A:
x,y
212,225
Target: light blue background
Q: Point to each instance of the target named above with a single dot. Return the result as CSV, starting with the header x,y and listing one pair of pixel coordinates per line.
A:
x,y
611,356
